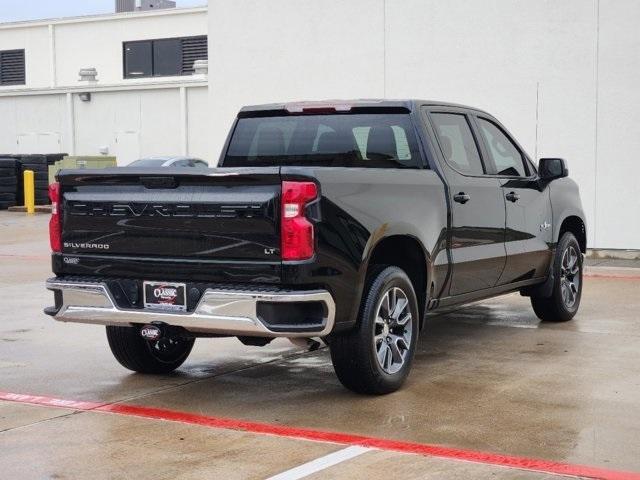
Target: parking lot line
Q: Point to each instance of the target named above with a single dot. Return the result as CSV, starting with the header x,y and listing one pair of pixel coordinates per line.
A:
x,y
509,461
321,463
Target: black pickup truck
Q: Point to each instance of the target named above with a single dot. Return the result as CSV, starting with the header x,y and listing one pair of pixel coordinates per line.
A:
x,y
348,221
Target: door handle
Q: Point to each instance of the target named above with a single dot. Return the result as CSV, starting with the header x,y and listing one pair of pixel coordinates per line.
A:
x,y
512,196
461,198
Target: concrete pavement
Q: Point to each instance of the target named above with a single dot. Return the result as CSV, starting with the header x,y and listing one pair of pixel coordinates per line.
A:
x,y
488,377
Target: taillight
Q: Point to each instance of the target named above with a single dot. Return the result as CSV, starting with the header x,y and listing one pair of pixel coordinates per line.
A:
x,y
55,222
297,238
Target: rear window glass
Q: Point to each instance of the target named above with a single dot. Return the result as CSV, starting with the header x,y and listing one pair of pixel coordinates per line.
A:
x,y
347,140
147,162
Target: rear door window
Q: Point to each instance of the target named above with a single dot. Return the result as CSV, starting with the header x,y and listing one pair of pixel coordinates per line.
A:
x,y
353,140
457,143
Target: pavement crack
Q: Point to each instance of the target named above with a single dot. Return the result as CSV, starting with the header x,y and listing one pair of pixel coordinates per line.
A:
x,y
44,420
281,358
167,388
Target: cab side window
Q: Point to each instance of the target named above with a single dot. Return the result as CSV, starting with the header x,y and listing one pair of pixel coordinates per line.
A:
x,y
457,143
505,155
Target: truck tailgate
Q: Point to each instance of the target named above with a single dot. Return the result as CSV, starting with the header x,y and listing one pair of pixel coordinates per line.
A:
x,y
225,214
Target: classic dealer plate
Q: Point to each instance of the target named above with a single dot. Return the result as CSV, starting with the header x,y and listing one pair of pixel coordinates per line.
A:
x,y
165,296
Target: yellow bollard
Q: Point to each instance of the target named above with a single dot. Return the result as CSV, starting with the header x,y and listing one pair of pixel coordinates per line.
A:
x,y
29,191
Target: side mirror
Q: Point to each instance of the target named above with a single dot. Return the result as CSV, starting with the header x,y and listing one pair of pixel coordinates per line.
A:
x,y
552,168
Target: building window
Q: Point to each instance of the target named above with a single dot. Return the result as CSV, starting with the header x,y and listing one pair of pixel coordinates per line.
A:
x,y
12,67
164,57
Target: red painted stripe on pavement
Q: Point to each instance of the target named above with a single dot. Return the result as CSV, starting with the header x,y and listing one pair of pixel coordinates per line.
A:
x,y
509,461
612,276
49,401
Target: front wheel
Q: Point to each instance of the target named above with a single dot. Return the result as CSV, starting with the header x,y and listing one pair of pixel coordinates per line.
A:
x,y
145,356
564,301
376,356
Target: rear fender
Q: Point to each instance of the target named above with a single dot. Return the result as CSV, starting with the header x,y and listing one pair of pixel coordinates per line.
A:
x,y
386,231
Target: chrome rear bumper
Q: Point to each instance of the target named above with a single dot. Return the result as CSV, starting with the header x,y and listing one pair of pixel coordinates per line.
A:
x,y
232,312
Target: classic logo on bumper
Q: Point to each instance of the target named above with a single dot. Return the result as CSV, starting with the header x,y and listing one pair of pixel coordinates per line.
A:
x,y
165,294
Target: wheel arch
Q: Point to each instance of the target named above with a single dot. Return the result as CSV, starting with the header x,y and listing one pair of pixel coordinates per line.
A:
x,y
575,225
568,214
408,253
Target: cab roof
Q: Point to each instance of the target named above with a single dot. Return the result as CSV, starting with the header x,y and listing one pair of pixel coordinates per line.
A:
x,y
327,106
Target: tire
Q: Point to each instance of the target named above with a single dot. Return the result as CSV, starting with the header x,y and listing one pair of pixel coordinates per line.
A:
x,y
355,354
564,301
36,168
8,163
7,181
135,353
8,189
7,197
33,159
7,172
5,205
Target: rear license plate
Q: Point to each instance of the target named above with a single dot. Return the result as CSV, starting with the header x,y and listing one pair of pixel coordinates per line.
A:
x,y
165,296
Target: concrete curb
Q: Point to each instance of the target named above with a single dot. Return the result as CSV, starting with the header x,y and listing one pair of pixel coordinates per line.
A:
x,y
612,254
38,208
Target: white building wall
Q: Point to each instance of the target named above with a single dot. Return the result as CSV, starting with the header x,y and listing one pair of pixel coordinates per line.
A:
x,y
617,218
34,39
562,76
99,43
128,118
198,125
283,50
32,123
129,124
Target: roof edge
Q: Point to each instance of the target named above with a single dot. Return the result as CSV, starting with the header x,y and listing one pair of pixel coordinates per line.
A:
x,y
102,17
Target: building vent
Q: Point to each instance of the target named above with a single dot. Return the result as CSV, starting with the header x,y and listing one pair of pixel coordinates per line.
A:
x,y
12,67
125,6
193,48
88,74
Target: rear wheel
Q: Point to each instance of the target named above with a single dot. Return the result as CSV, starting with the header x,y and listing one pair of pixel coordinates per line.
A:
x,y
145,356
564,301
376,356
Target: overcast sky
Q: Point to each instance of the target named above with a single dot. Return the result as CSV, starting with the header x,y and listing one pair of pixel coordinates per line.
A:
x,y
17,10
